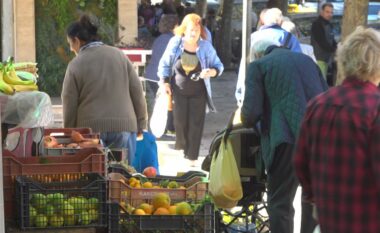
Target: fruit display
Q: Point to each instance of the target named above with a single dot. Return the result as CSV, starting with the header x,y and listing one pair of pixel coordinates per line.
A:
x,y
57,210
10,82
161,214
160,204
139,190
68,144
70,203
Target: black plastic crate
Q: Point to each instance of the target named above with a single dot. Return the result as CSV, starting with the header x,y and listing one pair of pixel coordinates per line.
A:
x,y
202,221
117,168
77,200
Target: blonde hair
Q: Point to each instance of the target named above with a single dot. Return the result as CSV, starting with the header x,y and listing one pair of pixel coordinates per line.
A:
x,y
272,16
190,19
359,55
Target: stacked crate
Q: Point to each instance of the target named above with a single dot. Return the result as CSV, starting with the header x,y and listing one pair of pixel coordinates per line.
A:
x,y
129,194
40,191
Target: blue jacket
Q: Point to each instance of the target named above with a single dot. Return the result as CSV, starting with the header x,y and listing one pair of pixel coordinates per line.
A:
x,y
207,57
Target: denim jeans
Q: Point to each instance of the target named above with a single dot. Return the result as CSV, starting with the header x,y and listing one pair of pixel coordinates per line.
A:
x,y
121,140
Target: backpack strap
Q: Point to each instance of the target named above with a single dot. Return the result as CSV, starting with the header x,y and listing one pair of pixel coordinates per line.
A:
x,y
287,40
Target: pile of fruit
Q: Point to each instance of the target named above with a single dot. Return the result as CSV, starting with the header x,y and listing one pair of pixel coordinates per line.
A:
x,y
141,182
77,141
160,205
12,81
57,210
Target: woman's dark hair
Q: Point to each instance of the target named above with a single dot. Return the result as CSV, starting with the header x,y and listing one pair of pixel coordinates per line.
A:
x,y
83,29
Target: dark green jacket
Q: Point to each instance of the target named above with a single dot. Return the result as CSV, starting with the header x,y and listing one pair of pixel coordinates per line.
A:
x,y
278,87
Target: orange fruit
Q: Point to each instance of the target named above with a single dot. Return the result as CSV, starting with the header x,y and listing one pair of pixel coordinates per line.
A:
x,y
183,208
173,210
139,212
161,211
147,185
148,209
161,200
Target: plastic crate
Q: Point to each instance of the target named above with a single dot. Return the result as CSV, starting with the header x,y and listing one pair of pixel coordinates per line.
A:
x,y
202,221
88,160
76,202
117,168
64,140
119,191
66,131
63,136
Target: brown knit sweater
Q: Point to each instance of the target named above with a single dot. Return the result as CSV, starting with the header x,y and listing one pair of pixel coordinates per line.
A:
x,y
101,90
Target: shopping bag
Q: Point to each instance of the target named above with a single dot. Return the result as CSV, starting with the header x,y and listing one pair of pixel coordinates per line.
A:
x,y
225,185
160,113
146,153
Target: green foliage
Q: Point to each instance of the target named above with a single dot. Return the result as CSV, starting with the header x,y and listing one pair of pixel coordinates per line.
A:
x,y
52,19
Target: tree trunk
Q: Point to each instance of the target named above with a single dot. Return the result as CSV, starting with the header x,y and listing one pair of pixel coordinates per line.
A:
x,y
355,14
201,8
280,4
223,37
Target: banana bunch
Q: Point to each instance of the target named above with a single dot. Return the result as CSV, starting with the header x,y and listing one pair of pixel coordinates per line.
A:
x,y
10,82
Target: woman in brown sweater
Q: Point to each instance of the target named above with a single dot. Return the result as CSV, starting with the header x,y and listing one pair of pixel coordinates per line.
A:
x,y
101,90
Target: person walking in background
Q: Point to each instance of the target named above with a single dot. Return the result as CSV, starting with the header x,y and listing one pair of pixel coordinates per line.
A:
x,y
306,49
101,89
279,84
337,157
270,30
166,25
185,69
322,38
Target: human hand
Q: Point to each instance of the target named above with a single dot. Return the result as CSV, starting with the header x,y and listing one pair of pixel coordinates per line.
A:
x,y
167,88
207,73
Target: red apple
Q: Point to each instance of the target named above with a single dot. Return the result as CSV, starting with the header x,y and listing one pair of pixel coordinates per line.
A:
x,y
150,172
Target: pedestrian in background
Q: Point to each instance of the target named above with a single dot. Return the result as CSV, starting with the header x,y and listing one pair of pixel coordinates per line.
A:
x,y
337,158
322,38
270,30
185,69
166,26
279,84
101,89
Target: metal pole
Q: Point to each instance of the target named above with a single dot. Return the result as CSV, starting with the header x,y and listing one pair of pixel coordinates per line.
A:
x,y
2,224
7,29
246,34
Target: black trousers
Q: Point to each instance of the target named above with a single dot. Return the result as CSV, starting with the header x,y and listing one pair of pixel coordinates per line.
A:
x,y
282,187
189,117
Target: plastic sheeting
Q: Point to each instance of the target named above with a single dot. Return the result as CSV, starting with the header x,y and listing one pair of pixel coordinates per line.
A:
x,y
27,109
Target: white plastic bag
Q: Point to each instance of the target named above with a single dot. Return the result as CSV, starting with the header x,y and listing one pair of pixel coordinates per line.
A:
x,y
160,113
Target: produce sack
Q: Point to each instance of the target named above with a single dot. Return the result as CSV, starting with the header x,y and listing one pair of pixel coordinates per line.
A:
x,y
160,113
225,184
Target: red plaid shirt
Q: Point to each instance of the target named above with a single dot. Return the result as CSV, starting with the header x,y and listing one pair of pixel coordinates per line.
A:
x,y
337,158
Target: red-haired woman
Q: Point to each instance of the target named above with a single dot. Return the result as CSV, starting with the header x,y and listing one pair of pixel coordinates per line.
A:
x,y
186,67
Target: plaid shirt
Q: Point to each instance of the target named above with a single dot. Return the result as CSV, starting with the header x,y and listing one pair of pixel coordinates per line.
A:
x,y
337,158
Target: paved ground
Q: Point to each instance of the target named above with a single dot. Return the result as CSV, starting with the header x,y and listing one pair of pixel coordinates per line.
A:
x,y
171,161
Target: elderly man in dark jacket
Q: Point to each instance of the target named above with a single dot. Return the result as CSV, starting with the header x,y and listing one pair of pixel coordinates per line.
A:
x,y
278,86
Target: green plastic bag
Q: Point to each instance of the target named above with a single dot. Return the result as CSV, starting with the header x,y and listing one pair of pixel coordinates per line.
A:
x,y
225,184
